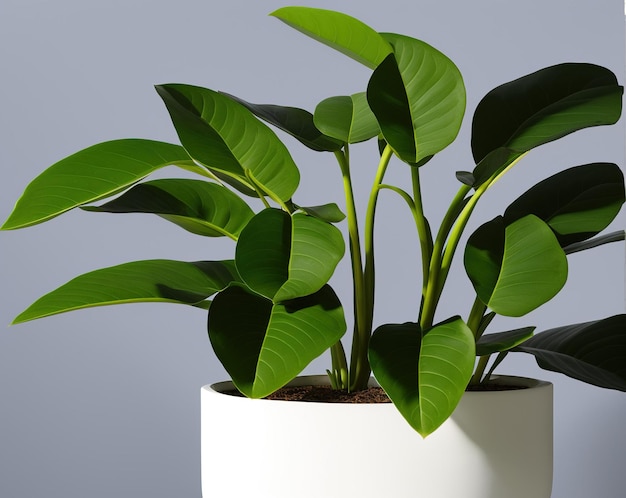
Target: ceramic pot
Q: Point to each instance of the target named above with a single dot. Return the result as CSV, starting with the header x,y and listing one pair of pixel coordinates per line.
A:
x,y
495,445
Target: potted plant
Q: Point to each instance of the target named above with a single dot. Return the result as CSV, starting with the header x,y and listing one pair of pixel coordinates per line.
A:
x,y
271,309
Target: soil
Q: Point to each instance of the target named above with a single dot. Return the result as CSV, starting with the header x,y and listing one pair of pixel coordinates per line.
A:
x,y
325,394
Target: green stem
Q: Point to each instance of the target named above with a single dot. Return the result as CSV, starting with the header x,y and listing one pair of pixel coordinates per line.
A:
x,y
339,375
480,369
423,229
476,316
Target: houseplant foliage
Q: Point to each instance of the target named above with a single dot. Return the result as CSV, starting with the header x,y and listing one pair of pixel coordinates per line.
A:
x,y
271,308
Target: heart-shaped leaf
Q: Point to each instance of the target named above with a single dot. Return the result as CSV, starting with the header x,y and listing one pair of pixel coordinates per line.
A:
x,y
92,174
339,31
515,268
348,119
264,345
593,352
198,206
544,106
577,203
425,377
297,122
283,257
227,138
140,281
502,341
418,97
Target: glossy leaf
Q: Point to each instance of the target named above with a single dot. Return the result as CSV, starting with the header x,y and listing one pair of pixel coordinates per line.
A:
x,y
297,122
140,281
227,138
577,203
425,377
593,352
502,341
617,236
348,119
92,174
339,31
327,212
544,106
418,97
283,257
200,207
515,268
264,345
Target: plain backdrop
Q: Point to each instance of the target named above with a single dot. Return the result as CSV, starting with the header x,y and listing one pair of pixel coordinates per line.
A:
x,y
105,402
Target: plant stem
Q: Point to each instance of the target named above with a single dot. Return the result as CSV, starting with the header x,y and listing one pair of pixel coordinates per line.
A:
x,y
480,369
423,229
476,316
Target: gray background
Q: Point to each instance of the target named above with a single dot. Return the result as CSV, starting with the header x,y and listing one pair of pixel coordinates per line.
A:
x,y
105,402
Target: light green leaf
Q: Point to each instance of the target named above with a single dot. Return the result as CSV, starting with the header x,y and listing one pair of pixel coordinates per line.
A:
x,y
140,281
348,119
339,31
198,206
425,377
418,97
264,345
283,257
515,268
92,174
593,352
227,138
544,106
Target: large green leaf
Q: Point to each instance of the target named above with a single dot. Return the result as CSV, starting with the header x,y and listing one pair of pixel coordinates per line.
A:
x,y
515,268
425,377
91,174
346,118
339,31
593,352
140,281
283,257
297,122
198,206
264,345
227,138
544,106
502,341
418,97
577,203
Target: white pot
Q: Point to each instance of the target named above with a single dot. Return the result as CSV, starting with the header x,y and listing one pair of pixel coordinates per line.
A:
x,y
495,445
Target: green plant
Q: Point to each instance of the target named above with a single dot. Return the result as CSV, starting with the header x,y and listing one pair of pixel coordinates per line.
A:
x,y
273,310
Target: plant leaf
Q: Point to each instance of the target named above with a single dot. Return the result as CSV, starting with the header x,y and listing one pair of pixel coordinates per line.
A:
x,y
577,203
283,257
339,31
593,352
425,377
264,345
156,280
198,206
418,97
544,106
502,341
515,268
297,122
348,119
595,242
92,174
327,212
225,137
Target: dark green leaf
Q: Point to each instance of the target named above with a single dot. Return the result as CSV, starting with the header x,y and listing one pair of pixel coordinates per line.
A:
x,y
425,377
577,203
200,207
348,119
544,106
264,345
515,268
418,97
502,341
297,122
595,242
283,257
593,352
327,212
227,138
339,31
92,174
140,281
